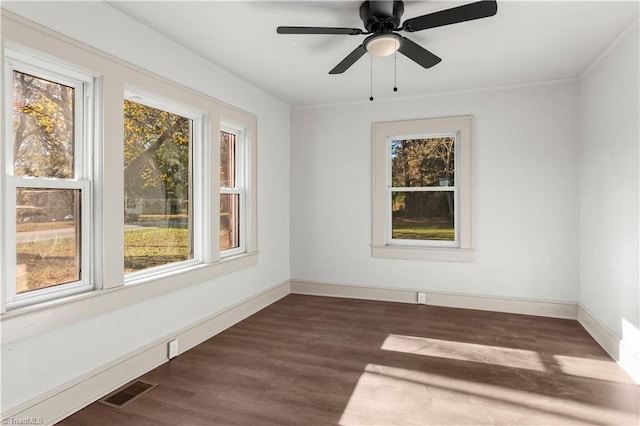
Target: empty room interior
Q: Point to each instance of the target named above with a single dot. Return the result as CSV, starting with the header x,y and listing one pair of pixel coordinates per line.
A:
x,y
320,212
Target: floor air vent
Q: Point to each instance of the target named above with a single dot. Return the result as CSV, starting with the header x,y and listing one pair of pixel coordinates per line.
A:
x,y
127,393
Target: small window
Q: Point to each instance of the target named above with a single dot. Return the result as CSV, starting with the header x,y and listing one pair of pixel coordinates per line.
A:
x,y
158,184
232,204
47,179
422,203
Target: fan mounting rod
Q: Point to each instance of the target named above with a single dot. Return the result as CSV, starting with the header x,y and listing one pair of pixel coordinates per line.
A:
x,y
381,17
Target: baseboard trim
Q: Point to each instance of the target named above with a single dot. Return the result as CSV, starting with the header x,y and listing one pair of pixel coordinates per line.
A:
x,y
452,300
626,354
65,400
315,288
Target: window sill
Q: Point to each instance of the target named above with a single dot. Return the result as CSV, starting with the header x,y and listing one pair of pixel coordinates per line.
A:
x,y
424,253
39,318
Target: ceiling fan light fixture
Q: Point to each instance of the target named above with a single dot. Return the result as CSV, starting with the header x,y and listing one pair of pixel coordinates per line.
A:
x,y
383,44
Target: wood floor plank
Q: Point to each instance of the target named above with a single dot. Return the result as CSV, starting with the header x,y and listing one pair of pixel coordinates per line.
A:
x,y
309,360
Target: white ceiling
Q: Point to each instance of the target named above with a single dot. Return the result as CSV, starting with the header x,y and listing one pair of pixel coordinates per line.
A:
x,y
525,42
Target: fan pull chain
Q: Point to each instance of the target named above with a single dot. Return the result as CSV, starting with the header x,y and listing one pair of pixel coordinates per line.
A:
x,y
371,79
395,71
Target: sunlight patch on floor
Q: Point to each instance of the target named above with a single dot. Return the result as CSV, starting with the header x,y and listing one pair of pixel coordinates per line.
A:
x,y
600,369
495,355
398,396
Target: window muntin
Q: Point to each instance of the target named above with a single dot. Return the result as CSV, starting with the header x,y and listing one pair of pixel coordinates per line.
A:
x,y
47,180
158,185
422,190
232,204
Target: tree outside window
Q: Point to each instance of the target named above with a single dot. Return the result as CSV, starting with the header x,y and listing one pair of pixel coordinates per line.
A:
x,y
157,187
47,232
423,197
422,189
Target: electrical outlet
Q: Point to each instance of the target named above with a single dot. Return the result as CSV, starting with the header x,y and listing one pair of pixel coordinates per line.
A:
x,y
173,348
422,298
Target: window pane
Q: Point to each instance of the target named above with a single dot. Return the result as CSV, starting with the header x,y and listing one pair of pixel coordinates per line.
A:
x,y
43,127
47,238
227,160
157,187
423,162
423,215
229,223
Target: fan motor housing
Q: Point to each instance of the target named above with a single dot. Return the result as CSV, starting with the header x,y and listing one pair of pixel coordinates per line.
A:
x,y
381,24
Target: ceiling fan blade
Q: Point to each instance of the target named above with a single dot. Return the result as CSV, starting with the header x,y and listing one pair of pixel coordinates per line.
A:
x,y
418,54
467,12
318,30
349,60
381,7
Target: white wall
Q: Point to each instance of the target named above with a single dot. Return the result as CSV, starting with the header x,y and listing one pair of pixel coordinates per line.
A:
x,y
609,189
38,364
525,194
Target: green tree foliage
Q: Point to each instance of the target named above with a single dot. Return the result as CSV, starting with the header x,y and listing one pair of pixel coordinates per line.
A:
x,y
156,155
422,163
43,133
43,144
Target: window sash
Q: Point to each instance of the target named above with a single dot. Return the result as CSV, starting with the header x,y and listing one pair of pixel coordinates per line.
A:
x,y
241,177
197,182
83,87
389,240
86,282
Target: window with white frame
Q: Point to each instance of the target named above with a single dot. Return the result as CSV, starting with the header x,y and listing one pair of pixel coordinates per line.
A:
x,y
47,175
159,141
232,182
421,189
77,211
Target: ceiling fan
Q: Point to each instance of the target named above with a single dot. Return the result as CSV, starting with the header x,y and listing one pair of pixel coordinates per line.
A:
x,y
382,21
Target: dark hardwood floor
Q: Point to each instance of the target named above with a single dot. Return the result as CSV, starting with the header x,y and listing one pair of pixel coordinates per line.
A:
x,y
320,361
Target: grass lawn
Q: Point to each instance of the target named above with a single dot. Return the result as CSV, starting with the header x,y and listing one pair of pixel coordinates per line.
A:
x,y
43,226
148,247
50,262
45,263
423,229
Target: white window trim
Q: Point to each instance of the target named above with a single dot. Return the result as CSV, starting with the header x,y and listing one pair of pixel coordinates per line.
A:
x,y
17,58
111,75
383,245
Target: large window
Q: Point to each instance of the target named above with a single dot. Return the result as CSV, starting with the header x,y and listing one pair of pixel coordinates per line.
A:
x,y
47,207
158,183
113,177
422,203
